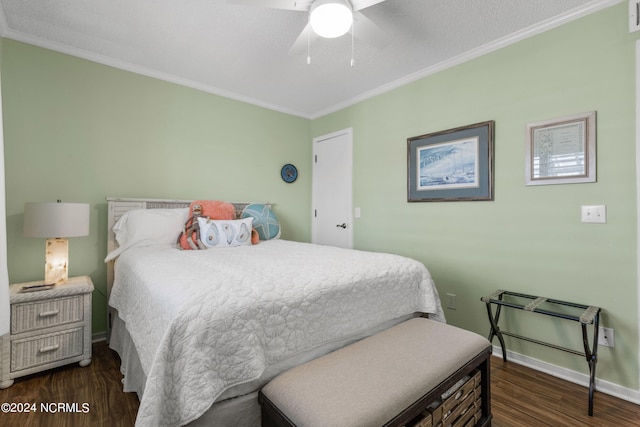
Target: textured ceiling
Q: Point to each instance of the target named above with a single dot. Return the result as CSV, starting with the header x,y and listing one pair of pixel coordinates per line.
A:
x,y
241,52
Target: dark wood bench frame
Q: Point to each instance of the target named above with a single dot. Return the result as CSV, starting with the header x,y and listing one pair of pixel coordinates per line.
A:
x,y
273,417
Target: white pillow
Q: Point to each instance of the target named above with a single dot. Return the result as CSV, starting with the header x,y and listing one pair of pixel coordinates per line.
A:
x,y
148,227
223,234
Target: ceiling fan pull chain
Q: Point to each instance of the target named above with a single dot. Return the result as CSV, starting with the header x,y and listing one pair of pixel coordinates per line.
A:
x,y
353,62
309,43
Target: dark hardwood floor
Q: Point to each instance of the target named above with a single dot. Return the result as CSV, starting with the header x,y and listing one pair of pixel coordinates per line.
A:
x,y
98,385
521,397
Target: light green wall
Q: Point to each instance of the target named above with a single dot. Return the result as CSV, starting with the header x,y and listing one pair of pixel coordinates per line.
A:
x,y
530,239
78,131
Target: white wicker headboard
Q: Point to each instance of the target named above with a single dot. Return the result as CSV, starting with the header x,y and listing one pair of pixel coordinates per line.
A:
x,y
119,206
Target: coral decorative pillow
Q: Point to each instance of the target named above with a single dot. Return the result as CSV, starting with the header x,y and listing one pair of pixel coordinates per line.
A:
x,y
213,209
264,220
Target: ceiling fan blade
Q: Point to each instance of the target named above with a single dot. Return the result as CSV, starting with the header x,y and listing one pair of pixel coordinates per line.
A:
x,y
367,31
301,44
362,4
302,5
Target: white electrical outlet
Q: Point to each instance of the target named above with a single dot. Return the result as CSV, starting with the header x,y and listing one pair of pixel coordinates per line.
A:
x,y
606,336
451,301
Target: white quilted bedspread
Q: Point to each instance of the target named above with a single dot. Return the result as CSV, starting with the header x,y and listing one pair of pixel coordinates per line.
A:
x,y
204,321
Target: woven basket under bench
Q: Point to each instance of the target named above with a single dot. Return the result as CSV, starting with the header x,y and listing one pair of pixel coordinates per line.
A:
x,y
462,407
418,373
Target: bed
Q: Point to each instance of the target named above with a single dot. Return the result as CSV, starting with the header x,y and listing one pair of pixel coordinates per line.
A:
x,y
199,332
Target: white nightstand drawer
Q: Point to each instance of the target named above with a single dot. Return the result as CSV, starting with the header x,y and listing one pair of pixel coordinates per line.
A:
x,y
42,349
43,314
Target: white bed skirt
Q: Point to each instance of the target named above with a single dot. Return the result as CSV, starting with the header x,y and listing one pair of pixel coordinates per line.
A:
x,y
238,406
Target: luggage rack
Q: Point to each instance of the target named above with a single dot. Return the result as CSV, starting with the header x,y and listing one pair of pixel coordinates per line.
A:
x,y
590,315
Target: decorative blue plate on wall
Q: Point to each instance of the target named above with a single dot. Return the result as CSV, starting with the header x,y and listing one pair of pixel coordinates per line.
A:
x,y
289,173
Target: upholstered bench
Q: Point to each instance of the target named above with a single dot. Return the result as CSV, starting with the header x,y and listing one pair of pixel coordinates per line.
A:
x,y
417,373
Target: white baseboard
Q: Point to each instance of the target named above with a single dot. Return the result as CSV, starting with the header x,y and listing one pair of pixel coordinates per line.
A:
x,y
579,378
100,336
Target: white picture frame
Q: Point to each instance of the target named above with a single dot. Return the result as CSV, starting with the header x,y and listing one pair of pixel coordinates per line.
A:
x,y
562,150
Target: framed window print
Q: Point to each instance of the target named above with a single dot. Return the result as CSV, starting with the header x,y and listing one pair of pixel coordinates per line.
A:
x,y
451,165
561,151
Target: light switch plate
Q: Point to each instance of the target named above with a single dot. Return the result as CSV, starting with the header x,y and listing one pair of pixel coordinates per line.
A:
x,y
594,214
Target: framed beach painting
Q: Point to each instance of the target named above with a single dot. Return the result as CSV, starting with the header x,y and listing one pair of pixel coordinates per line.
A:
x,y
451,165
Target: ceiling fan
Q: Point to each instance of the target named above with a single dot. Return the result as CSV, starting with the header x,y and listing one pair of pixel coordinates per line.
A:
x,y
329,19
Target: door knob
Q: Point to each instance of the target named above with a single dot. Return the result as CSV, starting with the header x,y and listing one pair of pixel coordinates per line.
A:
x,y
343,225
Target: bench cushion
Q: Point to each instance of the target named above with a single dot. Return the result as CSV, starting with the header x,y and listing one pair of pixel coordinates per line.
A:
x,y
373,380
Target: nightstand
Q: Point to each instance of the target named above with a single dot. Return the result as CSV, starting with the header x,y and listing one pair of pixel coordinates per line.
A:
x,y
49,328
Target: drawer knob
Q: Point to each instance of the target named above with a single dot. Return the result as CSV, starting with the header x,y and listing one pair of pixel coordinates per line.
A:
x,y
49,313
50,348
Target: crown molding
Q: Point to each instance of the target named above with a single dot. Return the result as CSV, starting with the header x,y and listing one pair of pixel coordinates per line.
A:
x,y
513,38
137,69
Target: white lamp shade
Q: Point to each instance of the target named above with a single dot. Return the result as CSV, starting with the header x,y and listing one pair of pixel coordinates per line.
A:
x,y
56,220
331,18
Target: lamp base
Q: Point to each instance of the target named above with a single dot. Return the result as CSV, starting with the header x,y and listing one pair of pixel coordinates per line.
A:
x,y
55,269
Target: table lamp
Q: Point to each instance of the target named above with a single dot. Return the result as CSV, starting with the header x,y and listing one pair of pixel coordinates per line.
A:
x,y
56,222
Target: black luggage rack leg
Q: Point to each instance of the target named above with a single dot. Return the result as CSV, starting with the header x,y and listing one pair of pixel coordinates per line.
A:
x,y
590,315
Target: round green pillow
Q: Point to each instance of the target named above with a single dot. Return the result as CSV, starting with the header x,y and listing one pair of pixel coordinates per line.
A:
x,y
264,220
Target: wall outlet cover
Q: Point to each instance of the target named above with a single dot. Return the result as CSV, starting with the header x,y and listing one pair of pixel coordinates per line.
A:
x,y
606,337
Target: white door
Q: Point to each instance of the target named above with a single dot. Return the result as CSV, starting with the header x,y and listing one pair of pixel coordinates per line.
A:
x,y
332,192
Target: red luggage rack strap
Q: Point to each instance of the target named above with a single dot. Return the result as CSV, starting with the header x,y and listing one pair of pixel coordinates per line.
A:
x,y
590,315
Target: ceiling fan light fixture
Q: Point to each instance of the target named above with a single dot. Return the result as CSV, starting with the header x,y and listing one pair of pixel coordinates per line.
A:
x,y
331,18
